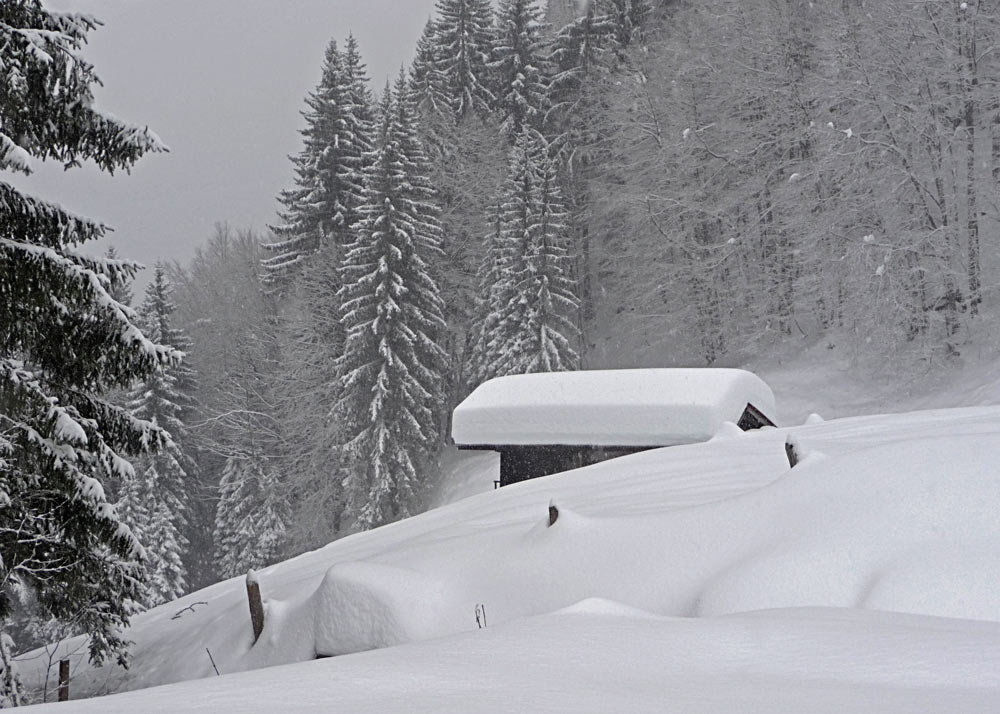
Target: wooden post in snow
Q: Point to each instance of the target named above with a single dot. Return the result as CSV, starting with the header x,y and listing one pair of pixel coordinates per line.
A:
x,y
256,605
64,680
553,514
791,452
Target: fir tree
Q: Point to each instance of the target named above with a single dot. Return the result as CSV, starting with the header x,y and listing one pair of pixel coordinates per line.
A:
x,y
63,342
426,83
11,688
392,314
547,285
252,516
487,313
518,66
156,503
120,291
527,290
146,512
313,335
324,203
463,39
627,18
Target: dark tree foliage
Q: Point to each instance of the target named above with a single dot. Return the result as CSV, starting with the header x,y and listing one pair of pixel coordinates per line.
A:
x,y
393,317
324,203
463,40
64,341
518,64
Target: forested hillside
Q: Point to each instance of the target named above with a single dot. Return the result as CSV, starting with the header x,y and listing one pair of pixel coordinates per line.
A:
x,y
565,186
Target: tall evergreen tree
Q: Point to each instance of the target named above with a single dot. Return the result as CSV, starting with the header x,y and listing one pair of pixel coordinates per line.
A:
x,y
252,515
626,16
532,296
156,504
393,316
63,342
154,525
464,40
489,281
518,64
547,284
313,338
426,83
324,202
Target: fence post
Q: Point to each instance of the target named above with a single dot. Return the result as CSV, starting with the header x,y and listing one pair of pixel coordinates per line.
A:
x,y
256,606
64,680
791,452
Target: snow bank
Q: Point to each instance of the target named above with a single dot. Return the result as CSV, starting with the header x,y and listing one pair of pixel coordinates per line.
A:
x,y
603,657
890,513
626,407
364,606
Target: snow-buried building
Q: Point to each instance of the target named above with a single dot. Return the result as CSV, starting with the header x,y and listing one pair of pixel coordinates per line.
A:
x,y
545,423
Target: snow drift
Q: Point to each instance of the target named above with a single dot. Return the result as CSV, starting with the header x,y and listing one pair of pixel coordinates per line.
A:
x,y
885,513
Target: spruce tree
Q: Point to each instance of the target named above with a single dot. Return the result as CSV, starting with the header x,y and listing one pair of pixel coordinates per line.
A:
x,y
626,16
518,64
426,83
252,515
145,510
487,303
313,338
156,504
324,202
393,317
527,290
464,40
11,687
518,209
547,284
64,341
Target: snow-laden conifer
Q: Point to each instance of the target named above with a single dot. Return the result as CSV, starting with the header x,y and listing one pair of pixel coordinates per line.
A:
x,y
426,83
392,314
64,341
328,170
146,511
252,515
463,39
526,279
11,687
156,503
547,284
520,78
626,17
487,314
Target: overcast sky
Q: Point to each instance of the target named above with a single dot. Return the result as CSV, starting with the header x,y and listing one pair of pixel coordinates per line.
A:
x,y
222,82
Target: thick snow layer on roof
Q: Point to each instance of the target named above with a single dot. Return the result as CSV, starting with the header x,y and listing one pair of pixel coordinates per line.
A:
x,y
624,407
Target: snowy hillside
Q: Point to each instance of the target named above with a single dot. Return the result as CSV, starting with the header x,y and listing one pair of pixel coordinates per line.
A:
x,y
885,513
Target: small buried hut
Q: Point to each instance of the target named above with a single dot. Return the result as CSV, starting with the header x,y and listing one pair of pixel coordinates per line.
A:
x,y
545,423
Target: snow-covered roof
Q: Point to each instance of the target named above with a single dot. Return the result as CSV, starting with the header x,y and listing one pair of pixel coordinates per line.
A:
x,y
624,407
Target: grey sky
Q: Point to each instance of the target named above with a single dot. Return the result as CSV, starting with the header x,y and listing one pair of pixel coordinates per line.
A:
x,y
222,82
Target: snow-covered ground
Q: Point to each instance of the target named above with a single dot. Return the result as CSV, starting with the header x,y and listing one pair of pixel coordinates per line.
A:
x,y
700,578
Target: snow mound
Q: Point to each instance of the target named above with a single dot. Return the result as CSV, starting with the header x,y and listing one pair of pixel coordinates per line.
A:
x,y
888,513
362,606
625,407
727,430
